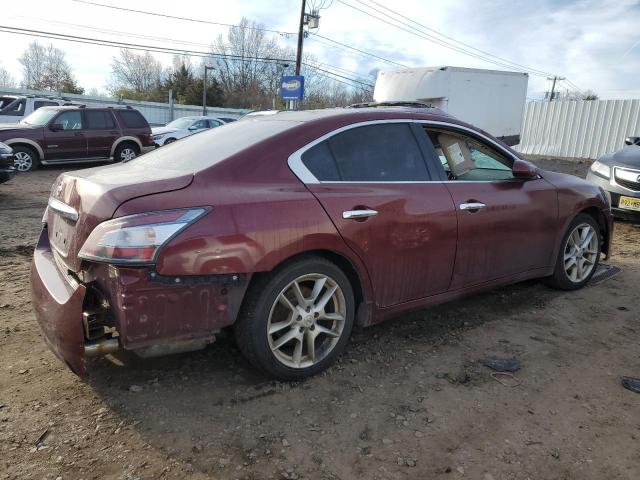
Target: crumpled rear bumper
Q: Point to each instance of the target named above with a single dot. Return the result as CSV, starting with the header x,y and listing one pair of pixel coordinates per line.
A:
x,y
58,300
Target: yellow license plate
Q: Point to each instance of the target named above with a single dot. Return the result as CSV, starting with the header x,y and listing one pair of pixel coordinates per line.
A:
x,y
629,203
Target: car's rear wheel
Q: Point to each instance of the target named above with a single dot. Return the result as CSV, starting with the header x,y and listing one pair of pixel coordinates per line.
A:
x,y
125,152
25,158
295,322
579,254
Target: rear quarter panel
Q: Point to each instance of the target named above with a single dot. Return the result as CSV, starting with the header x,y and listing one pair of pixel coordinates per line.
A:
x,y
261,216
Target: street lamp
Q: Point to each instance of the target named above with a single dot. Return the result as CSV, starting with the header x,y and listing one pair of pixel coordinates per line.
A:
x,y
204,89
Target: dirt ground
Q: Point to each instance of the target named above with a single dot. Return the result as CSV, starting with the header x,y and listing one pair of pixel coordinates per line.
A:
x,y
408,399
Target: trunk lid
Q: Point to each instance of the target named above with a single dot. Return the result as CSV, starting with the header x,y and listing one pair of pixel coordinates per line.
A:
x,y
82,199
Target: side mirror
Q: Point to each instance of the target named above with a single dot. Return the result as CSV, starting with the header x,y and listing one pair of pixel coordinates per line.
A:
x,y
524,170
56,127
632,141
193,127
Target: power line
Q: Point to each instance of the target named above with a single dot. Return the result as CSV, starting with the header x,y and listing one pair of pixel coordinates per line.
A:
x,y
339,76
175,17
358,50
135,46
530,69
280,32
433,39
167,50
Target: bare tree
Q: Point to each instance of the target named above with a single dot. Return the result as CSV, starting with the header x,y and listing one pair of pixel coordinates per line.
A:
x,y
46,68
6,79
137,73
249,78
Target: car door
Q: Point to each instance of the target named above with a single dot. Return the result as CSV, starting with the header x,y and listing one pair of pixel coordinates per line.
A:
x,y
69,141
373,182
102,132
506,225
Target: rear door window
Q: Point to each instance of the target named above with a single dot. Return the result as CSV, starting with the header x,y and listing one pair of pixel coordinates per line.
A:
x,y
133,119
99,120
385,152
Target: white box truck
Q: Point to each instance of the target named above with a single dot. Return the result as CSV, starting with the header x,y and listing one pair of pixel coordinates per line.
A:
x,y
490,99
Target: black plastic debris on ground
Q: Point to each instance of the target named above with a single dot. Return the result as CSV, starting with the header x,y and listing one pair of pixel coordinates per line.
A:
x,y
631,383
502,364
604,272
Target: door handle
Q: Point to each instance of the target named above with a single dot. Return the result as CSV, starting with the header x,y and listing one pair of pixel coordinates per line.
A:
x,y
78,134
356,214
472,206
114,132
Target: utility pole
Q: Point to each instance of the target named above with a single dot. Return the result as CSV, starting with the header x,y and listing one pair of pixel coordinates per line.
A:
x,y
204,90
300,38
553,85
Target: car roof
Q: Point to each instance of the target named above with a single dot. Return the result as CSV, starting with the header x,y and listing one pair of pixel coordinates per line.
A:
x,y
86,107
353,114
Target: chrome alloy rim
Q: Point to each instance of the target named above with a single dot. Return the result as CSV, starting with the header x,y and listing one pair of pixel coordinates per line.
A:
x,y
581,252
22,161
127,154
306,320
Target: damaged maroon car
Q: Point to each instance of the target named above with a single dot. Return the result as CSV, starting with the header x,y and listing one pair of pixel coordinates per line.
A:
x,y
291,228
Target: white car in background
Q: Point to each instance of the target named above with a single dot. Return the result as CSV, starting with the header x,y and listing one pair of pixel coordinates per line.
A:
x,y
183,127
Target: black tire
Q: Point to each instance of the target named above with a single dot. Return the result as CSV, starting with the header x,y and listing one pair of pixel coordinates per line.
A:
x,y
124,152
169,140
26,158
560,278
251,327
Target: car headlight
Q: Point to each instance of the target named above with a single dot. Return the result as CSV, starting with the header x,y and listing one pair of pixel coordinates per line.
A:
x,y
601,169
157,136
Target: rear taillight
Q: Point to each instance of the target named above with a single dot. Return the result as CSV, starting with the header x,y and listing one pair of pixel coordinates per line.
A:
x,y
137,239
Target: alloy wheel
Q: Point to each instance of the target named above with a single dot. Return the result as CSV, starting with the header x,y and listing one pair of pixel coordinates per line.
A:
x,y
581,252
306,320
127,154
23,161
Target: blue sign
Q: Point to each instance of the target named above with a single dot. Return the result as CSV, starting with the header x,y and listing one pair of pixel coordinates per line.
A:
x,y
292,87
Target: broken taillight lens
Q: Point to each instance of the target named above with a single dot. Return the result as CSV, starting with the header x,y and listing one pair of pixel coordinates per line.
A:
x,y
137,239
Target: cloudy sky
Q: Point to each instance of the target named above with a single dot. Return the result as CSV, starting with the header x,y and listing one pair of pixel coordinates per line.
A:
x,y
595,44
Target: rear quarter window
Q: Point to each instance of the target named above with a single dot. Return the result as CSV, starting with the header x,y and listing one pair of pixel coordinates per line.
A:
x,y
132,119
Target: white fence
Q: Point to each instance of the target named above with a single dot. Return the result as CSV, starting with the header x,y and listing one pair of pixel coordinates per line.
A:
x,y
578,129
156,113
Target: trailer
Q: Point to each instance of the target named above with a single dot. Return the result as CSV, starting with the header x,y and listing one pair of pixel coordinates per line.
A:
x,y
493,100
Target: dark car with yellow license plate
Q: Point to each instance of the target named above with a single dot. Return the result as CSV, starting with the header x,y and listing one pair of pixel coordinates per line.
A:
x,y
618,174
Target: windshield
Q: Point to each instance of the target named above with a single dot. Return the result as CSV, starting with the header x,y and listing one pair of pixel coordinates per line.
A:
x,y
39,117
180,123
212,146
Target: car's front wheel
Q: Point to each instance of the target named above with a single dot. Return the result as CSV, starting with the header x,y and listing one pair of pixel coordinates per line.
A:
x,y
296,321
579,254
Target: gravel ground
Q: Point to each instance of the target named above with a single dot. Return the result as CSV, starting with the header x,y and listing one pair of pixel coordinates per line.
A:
x,y
408,399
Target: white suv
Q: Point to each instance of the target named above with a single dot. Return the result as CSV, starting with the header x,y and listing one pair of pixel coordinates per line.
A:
x,y
183,127
14,109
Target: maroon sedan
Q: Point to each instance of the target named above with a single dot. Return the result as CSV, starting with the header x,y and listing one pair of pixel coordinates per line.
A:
x,y
292,227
